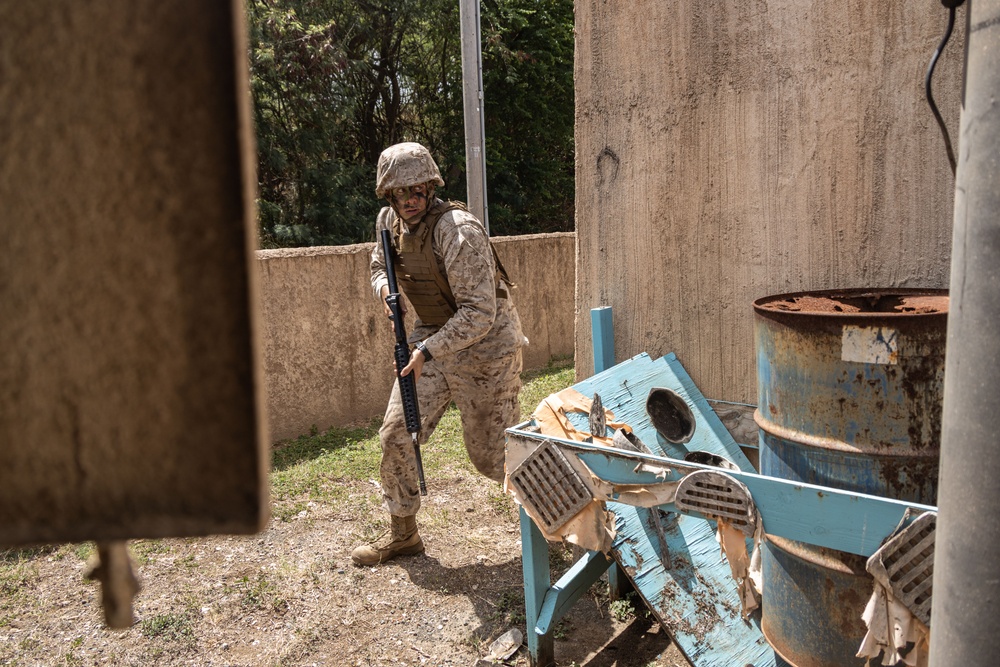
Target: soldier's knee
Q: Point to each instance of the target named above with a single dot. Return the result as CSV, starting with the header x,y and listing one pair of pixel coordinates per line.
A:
x,y
489,464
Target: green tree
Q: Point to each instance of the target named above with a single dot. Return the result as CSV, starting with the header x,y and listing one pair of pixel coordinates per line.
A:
x,y
336,81
528,83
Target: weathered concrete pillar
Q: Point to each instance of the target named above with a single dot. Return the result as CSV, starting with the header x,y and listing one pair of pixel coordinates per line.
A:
x,y
129,400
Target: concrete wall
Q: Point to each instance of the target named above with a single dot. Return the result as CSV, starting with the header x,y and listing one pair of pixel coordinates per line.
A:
x,y
128,369
732,150
328,348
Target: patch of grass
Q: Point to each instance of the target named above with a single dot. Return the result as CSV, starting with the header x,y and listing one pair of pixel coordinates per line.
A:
x,y
28,643
500,503
145,551
317,445
260,593
621,609
81,551
312,467
561,631
509,608
286,511
445,449
169,627
188,561
15,580
627,607
539,383
71,658
21,555
475,642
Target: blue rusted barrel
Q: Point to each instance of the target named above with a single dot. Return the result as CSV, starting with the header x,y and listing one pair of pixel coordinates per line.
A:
x,y
850,384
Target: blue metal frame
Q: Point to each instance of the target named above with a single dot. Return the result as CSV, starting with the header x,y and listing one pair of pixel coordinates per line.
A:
x,y
847,521
851,522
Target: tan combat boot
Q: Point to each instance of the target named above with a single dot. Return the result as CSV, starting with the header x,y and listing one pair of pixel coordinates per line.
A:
x,y
404,541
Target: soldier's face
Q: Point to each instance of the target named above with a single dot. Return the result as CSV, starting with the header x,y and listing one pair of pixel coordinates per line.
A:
x,y
411,202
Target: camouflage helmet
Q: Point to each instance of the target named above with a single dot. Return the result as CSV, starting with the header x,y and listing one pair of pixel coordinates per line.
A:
x,y
403,165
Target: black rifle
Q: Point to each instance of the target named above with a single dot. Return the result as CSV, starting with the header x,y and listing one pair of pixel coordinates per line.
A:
x,y
407,384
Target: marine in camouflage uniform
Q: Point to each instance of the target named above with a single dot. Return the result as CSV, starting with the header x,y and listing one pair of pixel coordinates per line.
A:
x,y
467,339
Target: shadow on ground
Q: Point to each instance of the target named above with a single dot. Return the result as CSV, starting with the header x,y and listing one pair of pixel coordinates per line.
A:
x,y
586,637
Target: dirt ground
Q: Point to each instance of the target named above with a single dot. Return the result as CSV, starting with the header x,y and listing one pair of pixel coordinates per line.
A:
x,y
289,596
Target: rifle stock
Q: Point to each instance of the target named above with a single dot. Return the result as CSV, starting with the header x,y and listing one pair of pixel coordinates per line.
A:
x,y
401,352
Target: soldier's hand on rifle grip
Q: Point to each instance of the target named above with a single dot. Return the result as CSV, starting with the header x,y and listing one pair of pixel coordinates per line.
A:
x,y
416,365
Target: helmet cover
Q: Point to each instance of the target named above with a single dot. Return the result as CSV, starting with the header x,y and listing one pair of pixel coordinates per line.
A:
x,y
403,165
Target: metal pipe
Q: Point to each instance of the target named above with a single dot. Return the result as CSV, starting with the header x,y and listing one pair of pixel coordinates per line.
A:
x,y
966,598
472,96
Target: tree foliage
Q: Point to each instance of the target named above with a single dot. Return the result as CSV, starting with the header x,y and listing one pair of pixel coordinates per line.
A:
x,y
336,81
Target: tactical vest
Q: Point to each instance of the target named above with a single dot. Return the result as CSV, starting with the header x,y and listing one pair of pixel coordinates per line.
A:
x,y
417,270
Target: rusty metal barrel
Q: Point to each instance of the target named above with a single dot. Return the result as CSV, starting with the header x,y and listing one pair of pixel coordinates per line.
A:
x,y
850,386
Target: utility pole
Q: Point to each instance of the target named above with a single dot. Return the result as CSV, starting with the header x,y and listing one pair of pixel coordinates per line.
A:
x,y
472,94
966,599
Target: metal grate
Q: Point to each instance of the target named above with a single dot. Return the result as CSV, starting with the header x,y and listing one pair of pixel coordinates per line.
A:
x,y
550,486
717,496
908,559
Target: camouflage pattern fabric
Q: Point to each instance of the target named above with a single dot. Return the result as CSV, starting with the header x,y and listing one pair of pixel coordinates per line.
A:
x,y
403,165
485,392
462,249
476,362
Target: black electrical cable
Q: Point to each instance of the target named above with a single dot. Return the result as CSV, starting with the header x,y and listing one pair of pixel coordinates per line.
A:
x,y
952,5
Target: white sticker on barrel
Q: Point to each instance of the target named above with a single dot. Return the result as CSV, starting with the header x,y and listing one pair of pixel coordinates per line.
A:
x,y
869,345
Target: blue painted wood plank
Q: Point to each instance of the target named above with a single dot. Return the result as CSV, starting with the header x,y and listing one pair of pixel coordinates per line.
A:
x,y
624,389
853,522
696,602
575,582
603,334
695,597
710,434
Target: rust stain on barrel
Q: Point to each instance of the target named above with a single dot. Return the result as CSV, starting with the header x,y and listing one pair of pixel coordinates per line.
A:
x,y
849,393
867,302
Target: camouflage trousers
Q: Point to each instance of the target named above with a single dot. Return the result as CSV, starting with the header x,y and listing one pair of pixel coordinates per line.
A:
x,y
485,392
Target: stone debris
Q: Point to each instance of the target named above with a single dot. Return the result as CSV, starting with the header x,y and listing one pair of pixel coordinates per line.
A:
x,y
506,644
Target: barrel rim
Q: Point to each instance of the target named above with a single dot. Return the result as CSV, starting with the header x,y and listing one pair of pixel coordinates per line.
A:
x,y
761,307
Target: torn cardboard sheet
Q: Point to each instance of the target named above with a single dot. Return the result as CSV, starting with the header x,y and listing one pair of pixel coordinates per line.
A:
x,y
898,616
593,527
746,568
891,628
551,416
636,495
590,528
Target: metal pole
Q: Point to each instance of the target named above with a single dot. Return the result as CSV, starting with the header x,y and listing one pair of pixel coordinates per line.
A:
x,y
603,334
472,94
966,598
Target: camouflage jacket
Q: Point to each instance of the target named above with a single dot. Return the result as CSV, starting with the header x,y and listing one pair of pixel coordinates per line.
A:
x,y
462,249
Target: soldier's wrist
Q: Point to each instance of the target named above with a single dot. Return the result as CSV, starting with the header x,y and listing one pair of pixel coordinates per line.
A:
x,y
423,350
